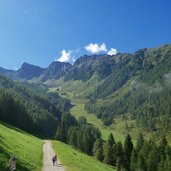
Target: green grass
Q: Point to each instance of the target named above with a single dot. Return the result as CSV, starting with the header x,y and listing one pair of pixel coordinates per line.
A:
x,y
27,148
77,97
73,160
78,110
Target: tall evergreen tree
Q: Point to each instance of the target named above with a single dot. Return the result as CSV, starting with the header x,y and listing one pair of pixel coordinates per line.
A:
x,y
128,147
141,165
61,132
133,160
111,139
162,148
118,153
108,153
153,157
86,142
98,149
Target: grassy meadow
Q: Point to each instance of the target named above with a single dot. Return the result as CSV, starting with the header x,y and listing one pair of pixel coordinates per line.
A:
x,y
74,160
27,148
78,110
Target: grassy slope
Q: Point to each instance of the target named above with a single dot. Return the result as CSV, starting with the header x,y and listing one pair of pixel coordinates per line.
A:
x,y
73,160
76,91
27,148
78,110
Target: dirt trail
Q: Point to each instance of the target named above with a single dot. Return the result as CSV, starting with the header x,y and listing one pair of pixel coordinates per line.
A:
x,y
47,159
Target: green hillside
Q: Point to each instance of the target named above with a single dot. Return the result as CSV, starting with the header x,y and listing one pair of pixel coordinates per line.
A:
x,y
127,92
30,107
73,160
27,149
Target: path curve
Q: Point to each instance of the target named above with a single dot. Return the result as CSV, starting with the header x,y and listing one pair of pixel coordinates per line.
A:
x,y
47,158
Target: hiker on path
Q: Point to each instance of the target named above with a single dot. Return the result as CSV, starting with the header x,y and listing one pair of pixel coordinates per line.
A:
x,y
54,159
12,163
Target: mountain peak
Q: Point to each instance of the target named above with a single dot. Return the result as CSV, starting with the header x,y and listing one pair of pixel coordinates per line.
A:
x,y
56,70
29,71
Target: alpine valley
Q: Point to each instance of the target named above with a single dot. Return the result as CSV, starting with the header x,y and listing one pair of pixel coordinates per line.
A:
x,y
125,95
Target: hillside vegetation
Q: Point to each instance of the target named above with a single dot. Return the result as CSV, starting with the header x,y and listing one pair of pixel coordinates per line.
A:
x,y
30,107
128,92
74,160
27,149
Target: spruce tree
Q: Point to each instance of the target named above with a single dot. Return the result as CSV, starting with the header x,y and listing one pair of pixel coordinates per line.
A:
x,y
118,153
118,164
98,149
108,153
141,164
86,142
133,160
153,157
162,148
61,132
128,147
111,139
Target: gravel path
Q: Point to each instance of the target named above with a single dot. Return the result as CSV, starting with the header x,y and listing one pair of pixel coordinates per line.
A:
x,y
47,159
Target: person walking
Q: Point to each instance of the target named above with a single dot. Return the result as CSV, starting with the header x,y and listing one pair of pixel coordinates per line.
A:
x,y
54,159
12,163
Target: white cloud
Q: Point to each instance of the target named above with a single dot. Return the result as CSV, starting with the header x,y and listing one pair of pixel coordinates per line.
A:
x,y
95,48
65,56
112,51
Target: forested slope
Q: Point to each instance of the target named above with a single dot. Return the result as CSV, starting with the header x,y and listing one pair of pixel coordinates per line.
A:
x,y
30,108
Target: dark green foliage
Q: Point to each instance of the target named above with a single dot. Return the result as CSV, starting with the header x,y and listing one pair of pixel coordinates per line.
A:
x,y
118,154
111,139
145,80
79,134
140,141
133,160
61,132
108,153
98,149
29,107
82,120
162,147
141,165
128,147
153,158
14,112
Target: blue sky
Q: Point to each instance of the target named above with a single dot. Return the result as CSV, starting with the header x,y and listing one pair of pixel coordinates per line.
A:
x,y
40,31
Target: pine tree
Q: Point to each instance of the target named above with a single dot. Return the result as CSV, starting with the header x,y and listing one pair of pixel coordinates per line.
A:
x,y
98,149
86,142
133,161
108,153
118,153
118,164
168,159
111,139
72,137
153,157
162,148
128,147
141,165
61,133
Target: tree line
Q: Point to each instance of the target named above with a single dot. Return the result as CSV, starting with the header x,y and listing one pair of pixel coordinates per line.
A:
x,y
79,133
143,156
31,108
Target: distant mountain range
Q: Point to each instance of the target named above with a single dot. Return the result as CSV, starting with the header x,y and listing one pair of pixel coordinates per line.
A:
x,y
28,71
121,84
82,69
